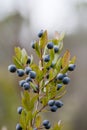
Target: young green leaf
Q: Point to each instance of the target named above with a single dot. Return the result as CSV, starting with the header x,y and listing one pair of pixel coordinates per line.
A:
x,y
43,40
65,59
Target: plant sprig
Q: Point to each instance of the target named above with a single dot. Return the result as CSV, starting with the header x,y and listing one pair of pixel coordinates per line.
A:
x,y
45,82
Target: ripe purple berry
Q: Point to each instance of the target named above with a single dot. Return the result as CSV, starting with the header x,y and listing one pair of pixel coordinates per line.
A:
x,y
40,34
12,68
71,67
21,83
26,86
18,127
60,76
45,122
32,74
20,72
28,79
59,86
48,126
53,108
33,44
51,102
28,60
50,45
46,58
19,110
56,49
27,70
58,103
66,80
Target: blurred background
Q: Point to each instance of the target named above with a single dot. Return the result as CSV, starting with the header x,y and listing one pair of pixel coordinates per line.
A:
x,y
20,22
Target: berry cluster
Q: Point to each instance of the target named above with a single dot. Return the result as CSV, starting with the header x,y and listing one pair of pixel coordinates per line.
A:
x,y
44,81
54,105
25,84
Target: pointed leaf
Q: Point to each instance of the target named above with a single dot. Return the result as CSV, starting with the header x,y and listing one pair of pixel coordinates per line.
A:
x,y
38,121
24,56
18,63
65,59
73,60
18,52
43,40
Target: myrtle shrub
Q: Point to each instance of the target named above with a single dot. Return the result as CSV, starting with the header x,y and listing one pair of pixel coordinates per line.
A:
x,y
43,84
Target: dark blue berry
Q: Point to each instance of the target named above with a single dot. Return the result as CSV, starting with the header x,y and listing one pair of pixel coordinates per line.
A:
x,y
12,68
48,126
32,74
66,80
28,79
45,122
71,67
46,58
27,70
33,44
20,72
26,86
19,110
51,102
28,60
21,82
40,34
56,49
59,86
60,76
53,108
58,103
18,127
50,45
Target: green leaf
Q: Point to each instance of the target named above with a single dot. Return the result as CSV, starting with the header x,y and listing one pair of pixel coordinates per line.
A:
x,y
38,121
23,119
44,101
60,45
73,60
28,117
18,52
18,63
58,65
65,59
53,91
37,49
33,101
24,56
57,126
20,57
26,101
33,86
43,40
39,73
51,52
